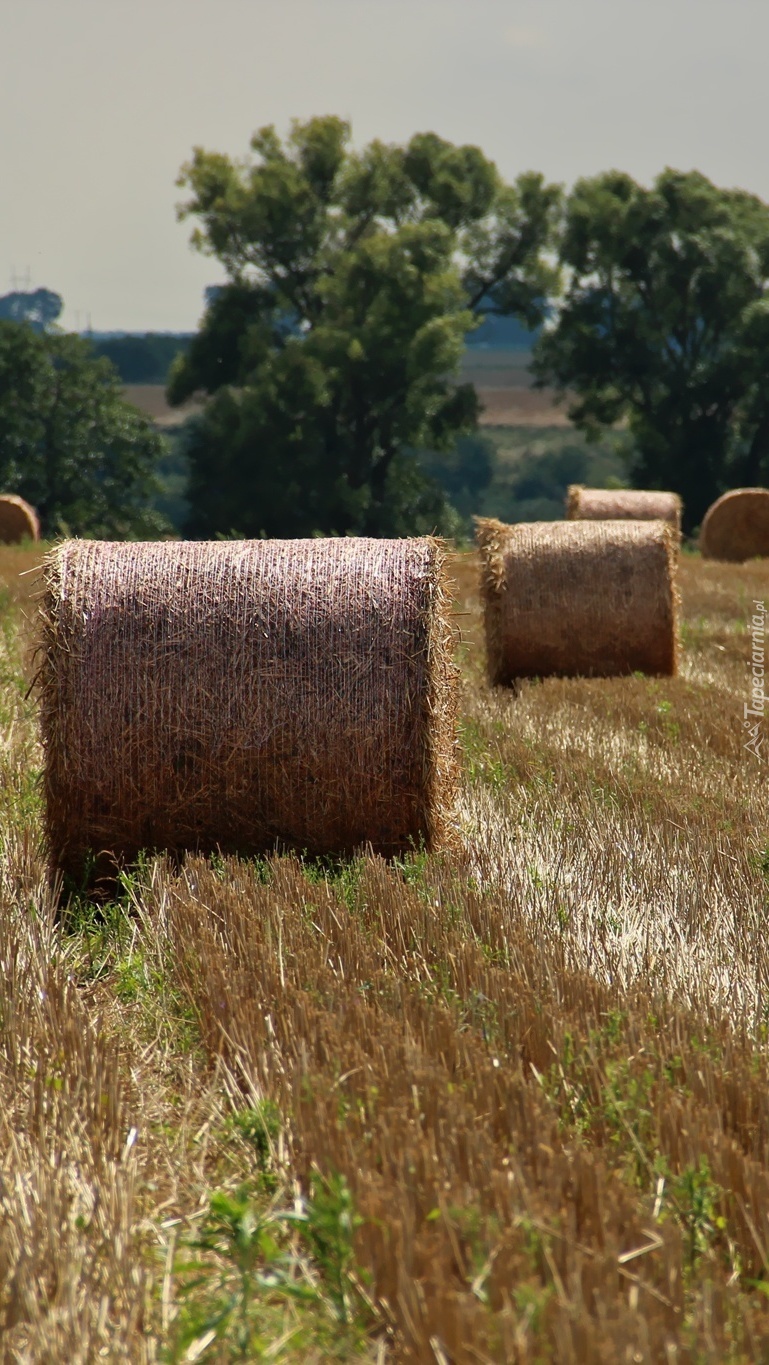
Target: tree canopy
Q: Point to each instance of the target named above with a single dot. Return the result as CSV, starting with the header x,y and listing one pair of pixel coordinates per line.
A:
x,y
38,307
329,355
664,323
69,444
141,358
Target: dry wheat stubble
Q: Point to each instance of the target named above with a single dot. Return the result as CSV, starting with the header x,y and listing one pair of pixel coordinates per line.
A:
x,y
496,1055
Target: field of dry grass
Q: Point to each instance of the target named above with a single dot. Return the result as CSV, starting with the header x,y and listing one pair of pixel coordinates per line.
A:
x,y
505,391
151,400
501,377
507,1105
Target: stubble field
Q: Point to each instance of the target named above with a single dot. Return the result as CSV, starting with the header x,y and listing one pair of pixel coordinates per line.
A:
x,y
505,1105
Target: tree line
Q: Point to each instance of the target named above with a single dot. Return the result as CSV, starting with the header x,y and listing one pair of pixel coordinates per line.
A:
x,y
328,359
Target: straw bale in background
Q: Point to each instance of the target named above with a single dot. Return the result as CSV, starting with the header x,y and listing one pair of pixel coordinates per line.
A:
x,y
736,527
577,598
622,504
18,521
239,695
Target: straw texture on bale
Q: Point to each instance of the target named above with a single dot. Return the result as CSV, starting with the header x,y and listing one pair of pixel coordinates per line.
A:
x,y
622,504
18,521
736,527
591,599
246,695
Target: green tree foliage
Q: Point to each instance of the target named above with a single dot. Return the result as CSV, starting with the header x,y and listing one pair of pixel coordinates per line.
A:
x,y
464,473
665,323
38,307
526,471
68,443
141,359
352,280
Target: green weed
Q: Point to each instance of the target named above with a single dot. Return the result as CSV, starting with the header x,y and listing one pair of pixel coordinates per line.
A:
x,y
259,1127
255,1266
696,1198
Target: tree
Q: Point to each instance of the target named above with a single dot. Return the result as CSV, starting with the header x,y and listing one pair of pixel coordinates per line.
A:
x,y
464,472
329,354
141,358
85,459
39,307
665,323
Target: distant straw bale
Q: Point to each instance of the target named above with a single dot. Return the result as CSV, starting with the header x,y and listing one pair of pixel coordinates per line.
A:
x,y
247,694
736,527
622,504
18,521
569,598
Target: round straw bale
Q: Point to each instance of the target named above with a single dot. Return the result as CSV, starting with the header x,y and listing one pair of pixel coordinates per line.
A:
x,y
622,504
571,598
736,527
245,695
18,521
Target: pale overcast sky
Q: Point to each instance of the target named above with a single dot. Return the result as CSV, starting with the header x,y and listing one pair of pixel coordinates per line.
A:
x,y
102,100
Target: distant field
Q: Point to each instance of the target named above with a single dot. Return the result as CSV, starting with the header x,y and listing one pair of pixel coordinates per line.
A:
x,y
151,400
497,369
501,377
504,387
516,407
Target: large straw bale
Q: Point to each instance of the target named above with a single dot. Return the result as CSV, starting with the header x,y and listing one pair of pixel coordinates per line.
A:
x,y
18,521
246,694
576,598
736,527
622,504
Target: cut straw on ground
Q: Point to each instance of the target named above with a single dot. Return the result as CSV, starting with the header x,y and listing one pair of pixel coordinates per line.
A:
x,y
507,1102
